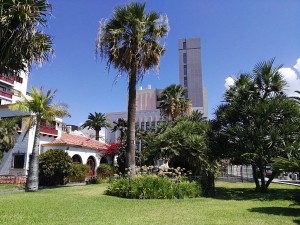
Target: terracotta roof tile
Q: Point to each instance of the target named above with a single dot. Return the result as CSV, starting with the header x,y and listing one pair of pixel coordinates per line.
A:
x,y
76,140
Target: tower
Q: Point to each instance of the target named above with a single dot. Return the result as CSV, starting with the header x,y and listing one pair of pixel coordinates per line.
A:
x,y
190,72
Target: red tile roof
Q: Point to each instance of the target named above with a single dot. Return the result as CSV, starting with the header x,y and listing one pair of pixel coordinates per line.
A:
x,y
78,141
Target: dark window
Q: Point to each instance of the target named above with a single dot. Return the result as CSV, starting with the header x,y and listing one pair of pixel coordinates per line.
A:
x,y
142,125
136,125
184,58
19,160
153,124
185,69
19,79
186,95
2,88
147,125
184,45
185,82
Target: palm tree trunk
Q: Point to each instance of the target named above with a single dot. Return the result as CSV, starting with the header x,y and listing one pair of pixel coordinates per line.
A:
x,y
32,183
97,134
130,152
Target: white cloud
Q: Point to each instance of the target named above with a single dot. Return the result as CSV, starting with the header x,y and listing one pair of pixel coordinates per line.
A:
x,y
297,66
292,80
229,81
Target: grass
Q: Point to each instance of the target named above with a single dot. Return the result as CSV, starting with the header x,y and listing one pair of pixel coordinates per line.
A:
x,y
235,203
10,187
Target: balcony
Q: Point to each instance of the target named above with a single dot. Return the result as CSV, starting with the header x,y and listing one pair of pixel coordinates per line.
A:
x,y
6,94
47,130
6,79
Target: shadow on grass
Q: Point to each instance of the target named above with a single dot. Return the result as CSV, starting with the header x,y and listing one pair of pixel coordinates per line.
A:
x,y
251,194
279,211
297,221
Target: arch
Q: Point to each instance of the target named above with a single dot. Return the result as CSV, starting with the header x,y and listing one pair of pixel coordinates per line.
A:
x,y
91,161
103,160
77,159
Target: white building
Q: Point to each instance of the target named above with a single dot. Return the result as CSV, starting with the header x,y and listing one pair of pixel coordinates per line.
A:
x,y
16,161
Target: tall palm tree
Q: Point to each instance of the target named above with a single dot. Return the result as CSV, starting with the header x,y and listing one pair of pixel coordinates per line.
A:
x,y
120,125
130,43
173,103
40,106
8,131
22,41
96,122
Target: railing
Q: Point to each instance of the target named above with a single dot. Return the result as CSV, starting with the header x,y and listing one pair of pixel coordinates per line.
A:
x,y
12,179
6,94
48,130
10,80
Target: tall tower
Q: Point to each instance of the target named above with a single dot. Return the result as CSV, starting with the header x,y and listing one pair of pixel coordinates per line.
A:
x,y
190,72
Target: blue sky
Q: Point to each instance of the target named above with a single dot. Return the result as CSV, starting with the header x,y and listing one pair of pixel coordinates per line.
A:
x,y
235,35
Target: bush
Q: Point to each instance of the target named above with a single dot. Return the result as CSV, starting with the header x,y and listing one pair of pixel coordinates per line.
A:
x,y
105,170
54,167
79,172
153,187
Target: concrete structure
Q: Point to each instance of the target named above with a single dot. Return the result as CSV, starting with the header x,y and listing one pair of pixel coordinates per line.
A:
x,y
11,87
190,73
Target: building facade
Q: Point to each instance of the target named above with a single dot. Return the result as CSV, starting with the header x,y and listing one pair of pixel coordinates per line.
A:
x,y
190,73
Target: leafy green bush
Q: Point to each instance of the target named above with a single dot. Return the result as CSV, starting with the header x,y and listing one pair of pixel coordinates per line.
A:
x,y
54,167
153,187
79,172
104,170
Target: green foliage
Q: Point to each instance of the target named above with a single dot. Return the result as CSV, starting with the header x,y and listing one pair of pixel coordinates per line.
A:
x,y
54,167
257,122
79,172
105,170
153,187
8,131
22,41
283,164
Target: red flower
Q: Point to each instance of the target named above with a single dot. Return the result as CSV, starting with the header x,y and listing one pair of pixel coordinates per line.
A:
x,y
113,148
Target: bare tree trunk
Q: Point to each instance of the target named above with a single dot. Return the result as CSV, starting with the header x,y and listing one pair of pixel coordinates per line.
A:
x,y
32,183
130,152
263,187
254,172
270,179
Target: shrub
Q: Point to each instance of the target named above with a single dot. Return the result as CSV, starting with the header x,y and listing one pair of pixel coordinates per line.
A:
x,y
153,187
104,170
54,167
79,172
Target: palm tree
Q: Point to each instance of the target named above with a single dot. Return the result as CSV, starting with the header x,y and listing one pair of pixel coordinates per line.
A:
x,y
22,42
8,131
173,103
120,125
96,122
130,43
40,106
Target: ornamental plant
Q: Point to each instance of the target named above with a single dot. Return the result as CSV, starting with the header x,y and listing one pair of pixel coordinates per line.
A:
x,y
113,149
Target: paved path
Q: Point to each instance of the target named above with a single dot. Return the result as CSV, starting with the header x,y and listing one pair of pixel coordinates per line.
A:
x,y
289,182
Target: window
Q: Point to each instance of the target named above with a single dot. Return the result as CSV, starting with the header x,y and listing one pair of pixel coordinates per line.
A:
x,y
19,79
185,82
186,95
2,88
147,125
153,124
19,161
136,125
185,69
184,45
184,58
142,125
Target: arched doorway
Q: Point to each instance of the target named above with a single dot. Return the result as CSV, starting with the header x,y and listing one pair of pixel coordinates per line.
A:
x,y
103,160
92,163
77,159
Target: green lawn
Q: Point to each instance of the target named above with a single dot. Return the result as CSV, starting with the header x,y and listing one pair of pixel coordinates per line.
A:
x,y
10,187
236,203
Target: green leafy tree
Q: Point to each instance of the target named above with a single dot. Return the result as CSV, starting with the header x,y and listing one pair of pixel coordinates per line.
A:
x,y
8,130
173,104
40,106
130,43
257,122
120,125
22,40
96,122
55,166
